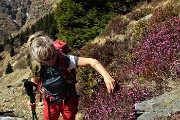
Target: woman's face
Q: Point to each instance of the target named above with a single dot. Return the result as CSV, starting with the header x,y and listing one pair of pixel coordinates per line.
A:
x,y
51,60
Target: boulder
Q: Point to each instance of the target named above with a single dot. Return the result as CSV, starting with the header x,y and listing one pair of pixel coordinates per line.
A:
x,y
163,105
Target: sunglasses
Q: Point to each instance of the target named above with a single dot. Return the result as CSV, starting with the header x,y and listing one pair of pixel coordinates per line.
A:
x,y
49,57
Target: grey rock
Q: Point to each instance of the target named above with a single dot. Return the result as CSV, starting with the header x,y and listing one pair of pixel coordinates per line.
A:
x,y
11,118
163,105
148,16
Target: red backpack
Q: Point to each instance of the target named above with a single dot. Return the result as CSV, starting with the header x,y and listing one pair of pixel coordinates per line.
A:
x,y
61,45
62,48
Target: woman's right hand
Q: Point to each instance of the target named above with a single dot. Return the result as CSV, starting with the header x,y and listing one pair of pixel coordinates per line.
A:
x,y
31,106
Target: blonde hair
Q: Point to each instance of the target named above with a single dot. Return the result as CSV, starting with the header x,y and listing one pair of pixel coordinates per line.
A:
x,y
40,45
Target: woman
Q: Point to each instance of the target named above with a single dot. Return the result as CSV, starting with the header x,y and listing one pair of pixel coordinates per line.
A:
x,y
60,97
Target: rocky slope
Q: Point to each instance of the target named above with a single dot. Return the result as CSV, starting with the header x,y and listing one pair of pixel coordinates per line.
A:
x,y
16,15
13,97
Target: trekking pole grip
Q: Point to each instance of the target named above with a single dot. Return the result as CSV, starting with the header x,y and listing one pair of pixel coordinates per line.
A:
x,y
31,88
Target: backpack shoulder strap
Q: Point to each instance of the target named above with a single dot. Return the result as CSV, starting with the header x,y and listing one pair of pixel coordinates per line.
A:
x,y
62,67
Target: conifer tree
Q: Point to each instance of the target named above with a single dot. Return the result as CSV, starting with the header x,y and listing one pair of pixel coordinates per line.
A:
x,y
80,21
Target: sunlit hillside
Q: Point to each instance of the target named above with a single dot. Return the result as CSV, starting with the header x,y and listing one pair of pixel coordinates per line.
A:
x,y
140,49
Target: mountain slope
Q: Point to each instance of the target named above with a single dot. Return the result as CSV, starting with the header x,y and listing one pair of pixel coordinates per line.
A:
x,y
17,15
13,97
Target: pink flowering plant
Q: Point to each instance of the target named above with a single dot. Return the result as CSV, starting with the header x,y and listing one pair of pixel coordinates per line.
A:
x,y
118,105
159,53
156,57
100,105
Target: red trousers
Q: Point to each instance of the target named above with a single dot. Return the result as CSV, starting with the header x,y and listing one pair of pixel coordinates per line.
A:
x,y
68,109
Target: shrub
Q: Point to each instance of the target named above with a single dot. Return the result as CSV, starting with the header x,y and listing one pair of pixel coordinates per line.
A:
x,y
139,32
161,15
1,48
156,56
1,58
11,51
140,13
103,106
99,105
88,79
9,69
116,26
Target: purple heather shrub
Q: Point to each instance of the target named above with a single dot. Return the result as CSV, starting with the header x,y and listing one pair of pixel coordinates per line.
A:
x,y
156,56
162,14
116,26
118,106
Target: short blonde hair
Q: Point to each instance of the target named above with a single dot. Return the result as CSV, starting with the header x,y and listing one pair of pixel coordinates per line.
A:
x,y
40,45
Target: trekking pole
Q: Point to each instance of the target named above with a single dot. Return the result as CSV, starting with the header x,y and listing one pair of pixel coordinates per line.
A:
x,y
31,88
